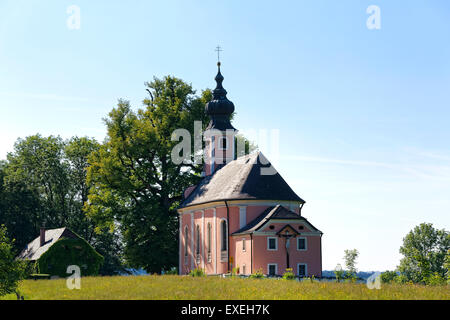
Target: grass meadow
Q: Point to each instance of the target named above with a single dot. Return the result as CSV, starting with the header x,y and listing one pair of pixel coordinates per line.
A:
x,y
171,287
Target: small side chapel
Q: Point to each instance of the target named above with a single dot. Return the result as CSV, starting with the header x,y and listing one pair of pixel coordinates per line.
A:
x,y
240,218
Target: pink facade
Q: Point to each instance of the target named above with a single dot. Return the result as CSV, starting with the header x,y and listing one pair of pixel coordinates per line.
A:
x,y
206,252
310,256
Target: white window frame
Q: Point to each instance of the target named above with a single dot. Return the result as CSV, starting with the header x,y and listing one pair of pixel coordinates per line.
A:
x,y
220,143
244,249
306,244
276,243
306,269
276,268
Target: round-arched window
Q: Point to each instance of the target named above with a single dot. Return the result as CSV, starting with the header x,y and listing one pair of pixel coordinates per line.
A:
x,y
224,237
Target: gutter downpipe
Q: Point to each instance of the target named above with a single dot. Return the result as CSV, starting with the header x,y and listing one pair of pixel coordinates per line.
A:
x,y
251,253
228,237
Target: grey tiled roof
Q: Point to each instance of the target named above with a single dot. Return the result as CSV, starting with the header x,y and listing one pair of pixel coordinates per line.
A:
x,y
241,179
277,212
33,250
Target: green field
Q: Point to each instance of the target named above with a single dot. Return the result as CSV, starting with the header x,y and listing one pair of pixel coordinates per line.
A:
x,y
206,288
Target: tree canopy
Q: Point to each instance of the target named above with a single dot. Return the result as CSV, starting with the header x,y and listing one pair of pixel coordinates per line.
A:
x,y
135,185
424,252
350,257
43,184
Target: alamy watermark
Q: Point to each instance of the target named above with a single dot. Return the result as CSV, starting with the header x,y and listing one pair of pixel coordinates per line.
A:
x,y
74,19
74,279
374,281
182,152
374,20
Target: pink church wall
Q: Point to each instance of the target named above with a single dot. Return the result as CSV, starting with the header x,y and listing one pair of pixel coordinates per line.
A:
x,y
254,211
242,258
311,256
209,219
234,218
221,215
261,256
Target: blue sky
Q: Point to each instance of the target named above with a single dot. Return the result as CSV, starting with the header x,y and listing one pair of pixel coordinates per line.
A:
x,y
363,115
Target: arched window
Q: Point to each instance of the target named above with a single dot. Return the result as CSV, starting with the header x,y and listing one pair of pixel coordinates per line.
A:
x,y
186,241
209,238
213,150
198,240
223,228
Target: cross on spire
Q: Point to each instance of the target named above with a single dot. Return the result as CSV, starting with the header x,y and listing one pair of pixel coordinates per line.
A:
x,y
218,50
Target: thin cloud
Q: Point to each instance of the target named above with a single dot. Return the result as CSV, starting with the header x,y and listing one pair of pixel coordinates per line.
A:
x,y
434,156
340,161
437,155
44,96
423,171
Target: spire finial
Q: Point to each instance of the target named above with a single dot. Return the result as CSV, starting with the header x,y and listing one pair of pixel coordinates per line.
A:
x,y
219,108
218,50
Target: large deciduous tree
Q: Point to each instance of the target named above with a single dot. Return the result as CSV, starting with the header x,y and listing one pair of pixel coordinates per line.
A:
x,y
43,183
19,209
136,186
37,164
424,251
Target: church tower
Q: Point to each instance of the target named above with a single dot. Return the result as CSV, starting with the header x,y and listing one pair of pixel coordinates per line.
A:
x,y
238,217
220,134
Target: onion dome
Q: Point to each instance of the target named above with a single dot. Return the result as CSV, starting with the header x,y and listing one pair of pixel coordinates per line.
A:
x,y
219,108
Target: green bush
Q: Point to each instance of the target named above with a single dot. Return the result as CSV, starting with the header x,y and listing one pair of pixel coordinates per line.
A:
x,y
66,252
388,276
172,271
197,272
351,277
401,279
289,275
12,271
435,279
257,275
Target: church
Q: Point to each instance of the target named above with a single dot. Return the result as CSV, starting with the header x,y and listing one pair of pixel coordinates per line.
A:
x,y
241,216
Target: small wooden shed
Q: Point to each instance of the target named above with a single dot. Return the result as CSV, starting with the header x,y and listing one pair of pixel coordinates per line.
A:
x,y
56,249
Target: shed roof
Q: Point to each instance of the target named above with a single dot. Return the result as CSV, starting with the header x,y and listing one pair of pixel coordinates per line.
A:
x,y
250,177
33,251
